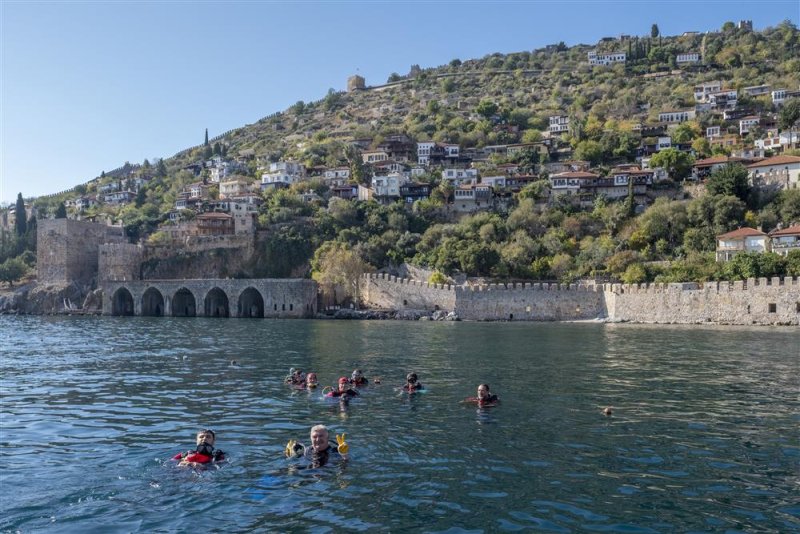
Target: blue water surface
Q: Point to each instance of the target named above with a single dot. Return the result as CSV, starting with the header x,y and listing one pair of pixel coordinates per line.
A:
x,y
705,434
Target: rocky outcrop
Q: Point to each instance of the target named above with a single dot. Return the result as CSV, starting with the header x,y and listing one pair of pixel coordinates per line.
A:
x,y
48,299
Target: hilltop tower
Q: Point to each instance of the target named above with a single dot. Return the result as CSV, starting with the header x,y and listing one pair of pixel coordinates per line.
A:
x,y
355,83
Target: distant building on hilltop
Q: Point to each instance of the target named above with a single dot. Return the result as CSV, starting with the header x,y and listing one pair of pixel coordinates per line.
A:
x,y
355,83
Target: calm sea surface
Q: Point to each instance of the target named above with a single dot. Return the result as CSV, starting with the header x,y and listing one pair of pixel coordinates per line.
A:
x,y
705,434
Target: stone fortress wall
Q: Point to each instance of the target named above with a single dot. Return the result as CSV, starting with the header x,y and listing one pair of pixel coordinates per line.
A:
x,y
67,250
760,301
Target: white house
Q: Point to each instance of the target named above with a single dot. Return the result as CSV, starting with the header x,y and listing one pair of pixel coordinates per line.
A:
x,y
741,240
569,183
702,91
757,90
474,197
663,143
337,176
605,59
746,123
676,116
785,240
283,172
777,141
559,124
231,188
424,152
374,156
388,187
460,176
726,99
780,171
779,95
687,58
712,131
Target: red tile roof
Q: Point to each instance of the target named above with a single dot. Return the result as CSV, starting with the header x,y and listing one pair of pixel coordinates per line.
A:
x,y
792,230
716,160
742,233
777,160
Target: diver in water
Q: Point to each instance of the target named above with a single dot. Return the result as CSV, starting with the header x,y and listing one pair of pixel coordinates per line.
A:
x,y
204,453
344,391
358,379
412,384
321,450
484,398
311,381
296,377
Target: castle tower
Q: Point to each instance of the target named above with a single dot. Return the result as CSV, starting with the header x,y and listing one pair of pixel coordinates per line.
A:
x,y
355,83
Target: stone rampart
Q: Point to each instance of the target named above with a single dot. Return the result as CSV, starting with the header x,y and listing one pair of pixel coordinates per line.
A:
x,y
119,261
529,302
762,301
385,291
67,250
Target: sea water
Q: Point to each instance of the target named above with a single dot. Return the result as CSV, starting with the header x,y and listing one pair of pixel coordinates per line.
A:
x,y
705,431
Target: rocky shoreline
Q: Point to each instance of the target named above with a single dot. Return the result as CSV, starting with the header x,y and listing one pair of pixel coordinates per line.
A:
x,y
51,299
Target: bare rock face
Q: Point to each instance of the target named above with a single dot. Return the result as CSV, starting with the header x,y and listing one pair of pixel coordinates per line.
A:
x,y
40,299
93,302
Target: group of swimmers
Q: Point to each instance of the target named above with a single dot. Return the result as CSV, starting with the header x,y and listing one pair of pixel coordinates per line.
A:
x,y
320,449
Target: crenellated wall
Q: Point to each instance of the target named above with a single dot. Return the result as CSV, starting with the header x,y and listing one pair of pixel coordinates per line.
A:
x,y
529,302
119,261
760,301
385,291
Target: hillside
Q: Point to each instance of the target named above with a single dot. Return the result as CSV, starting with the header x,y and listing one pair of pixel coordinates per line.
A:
x,y
613,112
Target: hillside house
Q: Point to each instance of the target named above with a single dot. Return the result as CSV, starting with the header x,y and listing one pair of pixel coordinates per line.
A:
x,y
726,99
374,156
345,191
85,202
741,240
472,198
413,191
757,90
458,177
683,59
676,116
780,95
785,240
570,183
777,141
235,187
605,59
398,147
702,168
559,124
336,176
747,123
283,173
713,131
386,189
702,91
119,197
782,172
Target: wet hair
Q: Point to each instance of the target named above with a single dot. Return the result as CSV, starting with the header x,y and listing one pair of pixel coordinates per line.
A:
x,y
411,377
208,431
319,428
485,386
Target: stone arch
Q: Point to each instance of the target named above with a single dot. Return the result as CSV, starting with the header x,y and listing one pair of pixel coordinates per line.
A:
x,y
216,303
152,303
183,303
251,303
122,302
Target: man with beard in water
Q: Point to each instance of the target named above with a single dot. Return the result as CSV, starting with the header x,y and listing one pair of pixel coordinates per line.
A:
x,y
321,450
204,454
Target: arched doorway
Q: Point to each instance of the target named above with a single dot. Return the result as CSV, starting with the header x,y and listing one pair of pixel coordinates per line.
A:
x,y
183,304
216,304
251,303
152,303
122,302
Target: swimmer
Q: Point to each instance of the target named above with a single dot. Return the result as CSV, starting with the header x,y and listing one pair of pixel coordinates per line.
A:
x,y
311,381
484,398
344,390
412,384
234,363
608,411
296,377
320,450
204,453
358,379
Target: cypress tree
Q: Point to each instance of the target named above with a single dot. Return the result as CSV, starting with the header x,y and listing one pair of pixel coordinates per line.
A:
x,y
61,211
206,143
21,224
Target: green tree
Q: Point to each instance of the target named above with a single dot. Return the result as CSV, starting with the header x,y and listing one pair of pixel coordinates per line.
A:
x,y
12,270
486,109
654,31
635,273
338,269
205,143
789,114
678,164
590,151
731,179
20,216
61,211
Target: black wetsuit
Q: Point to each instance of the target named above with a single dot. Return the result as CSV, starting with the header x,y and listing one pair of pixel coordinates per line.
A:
x,y
346,394
416,387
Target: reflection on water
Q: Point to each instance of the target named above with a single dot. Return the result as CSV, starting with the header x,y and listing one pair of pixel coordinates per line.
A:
x,y
704,434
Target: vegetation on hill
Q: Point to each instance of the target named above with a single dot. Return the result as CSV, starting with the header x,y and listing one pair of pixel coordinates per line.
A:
x,y
504,99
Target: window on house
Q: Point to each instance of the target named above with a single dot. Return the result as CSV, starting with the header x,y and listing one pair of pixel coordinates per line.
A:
x,y
773,308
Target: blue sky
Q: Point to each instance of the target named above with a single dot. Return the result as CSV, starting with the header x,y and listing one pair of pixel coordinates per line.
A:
x,y
86,86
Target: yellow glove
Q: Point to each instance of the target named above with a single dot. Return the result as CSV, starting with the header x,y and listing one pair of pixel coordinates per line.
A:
x,y
343,447
290,448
